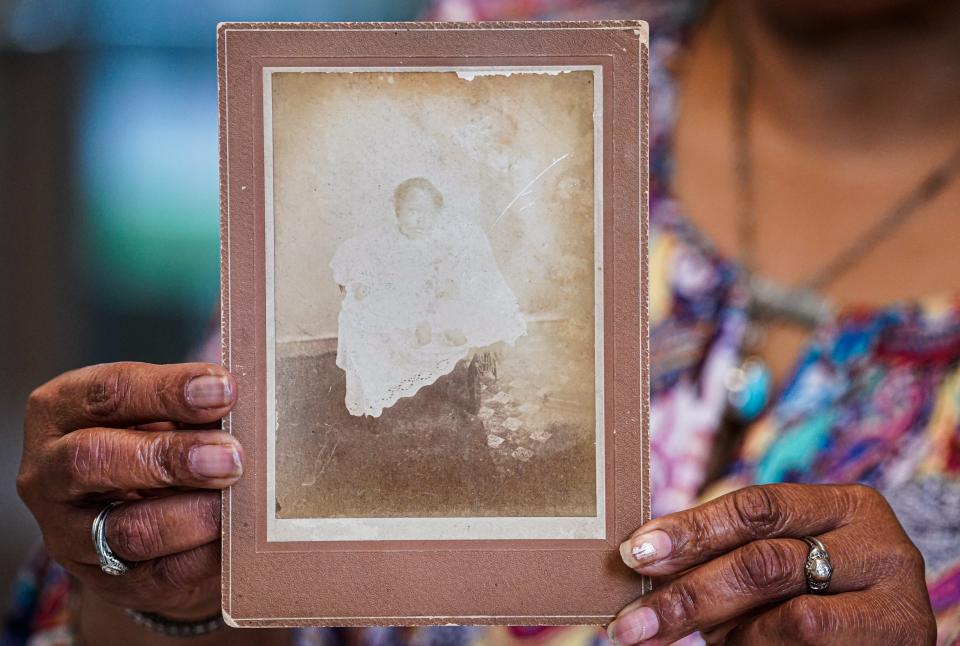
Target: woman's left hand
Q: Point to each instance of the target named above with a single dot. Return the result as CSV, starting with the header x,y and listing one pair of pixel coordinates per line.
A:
x,y
733,569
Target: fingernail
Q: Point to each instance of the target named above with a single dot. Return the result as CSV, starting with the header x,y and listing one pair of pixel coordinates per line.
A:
x,y
215,461
209,391
645,549
634,626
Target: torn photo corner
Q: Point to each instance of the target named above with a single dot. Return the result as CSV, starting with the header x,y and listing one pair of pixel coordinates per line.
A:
x,y
433,286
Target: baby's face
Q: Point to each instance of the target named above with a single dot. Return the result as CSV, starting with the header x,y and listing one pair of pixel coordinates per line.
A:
x,y
416,214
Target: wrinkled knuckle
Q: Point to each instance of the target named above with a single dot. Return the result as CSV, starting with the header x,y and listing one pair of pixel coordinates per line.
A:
x,y
695,530
758,510
811,627
915,561
39,400
208,515
185,570
24,483
905,560
765,565
807,623
38,473
87,462
169,389
678,605
867,498
863,492
106,393
158,456
137,534
28,484
173,572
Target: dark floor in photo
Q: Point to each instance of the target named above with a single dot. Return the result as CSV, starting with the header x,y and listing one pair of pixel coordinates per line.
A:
x,y
511,439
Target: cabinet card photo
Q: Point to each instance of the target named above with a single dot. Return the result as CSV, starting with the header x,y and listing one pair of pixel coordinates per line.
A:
x,y
434,258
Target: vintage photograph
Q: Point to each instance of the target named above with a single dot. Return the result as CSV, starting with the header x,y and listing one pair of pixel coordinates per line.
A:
x,y
434,293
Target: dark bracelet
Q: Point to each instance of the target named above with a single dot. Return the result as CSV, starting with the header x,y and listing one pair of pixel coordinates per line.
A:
x,y
174,628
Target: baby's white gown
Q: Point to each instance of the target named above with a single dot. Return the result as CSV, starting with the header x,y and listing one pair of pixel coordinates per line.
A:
x,y
448,279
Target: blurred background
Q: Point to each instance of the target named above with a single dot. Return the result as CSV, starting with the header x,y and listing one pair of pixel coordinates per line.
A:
x,y
108,190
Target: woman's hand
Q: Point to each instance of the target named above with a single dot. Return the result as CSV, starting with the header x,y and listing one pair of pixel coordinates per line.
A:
x,y
131,432
733,569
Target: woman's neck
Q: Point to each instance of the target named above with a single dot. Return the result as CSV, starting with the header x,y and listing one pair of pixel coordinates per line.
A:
x,y
850,82
844,124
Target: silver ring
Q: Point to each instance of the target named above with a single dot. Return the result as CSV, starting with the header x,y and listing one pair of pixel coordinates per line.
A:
x,y
109,562
818,569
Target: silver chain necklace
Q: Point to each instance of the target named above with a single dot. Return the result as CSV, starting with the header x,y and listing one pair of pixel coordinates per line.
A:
x,y
749,383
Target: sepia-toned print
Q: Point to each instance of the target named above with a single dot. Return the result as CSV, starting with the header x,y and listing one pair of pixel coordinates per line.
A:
x,y
434,302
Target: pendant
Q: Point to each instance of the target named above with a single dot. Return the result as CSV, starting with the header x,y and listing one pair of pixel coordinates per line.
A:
x,y
771,301
748,388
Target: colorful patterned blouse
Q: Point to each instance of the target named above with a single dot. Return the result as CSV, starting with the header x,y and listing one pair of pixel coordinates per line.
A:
x,y
875,398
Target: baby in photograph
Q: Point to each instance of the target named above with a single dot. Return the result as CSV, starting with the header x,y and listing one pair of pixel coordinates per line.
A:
x,y
419,295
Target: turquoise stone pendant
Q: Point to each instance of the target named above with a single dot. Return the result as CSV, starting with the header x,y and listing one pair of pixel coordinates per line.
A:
x,y
748,388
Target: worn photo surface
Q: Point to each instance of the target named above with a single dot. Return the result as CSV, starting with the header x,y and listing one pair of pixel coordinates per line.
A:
x,y
434,302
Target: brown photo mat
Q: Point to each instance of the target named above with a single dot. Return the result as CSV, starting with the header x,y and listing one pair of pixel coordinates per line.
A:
x,y
409,582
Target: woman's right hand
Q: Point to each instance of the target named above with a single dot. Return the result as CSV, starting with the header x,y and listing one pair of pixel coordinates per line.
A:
x,y
147,435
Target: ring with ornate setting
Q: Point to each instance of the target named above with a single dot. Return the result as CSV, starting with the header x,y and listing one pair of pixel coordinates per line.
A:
x,y
819,569
109,562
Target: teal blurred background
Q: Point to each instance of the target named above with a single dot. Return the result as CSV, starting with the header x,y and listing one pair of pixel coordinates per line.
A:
x,y
108,189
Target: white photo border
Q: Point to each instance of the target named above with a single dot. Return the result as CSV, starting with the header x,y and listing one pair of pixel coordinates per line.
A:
x,y
434,528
